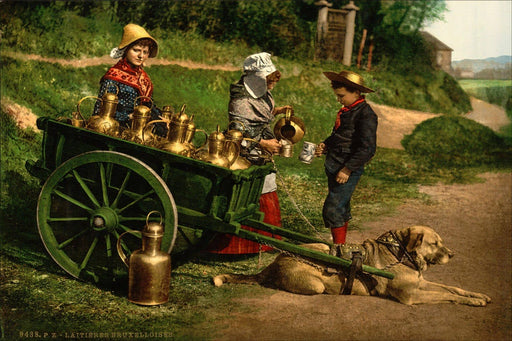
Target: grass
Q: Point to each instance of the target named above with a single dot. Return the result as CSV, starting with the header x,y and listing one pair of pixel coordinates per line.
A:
x,y
498,92
38,297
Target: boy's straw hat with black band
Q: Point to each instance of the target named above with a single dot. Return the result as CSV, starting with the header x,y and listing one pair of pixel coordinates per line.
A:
x,y
349,78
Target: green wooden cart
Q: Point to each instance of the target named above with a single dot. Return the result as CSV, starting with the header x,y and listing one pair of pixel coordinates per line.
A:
x,y
95,187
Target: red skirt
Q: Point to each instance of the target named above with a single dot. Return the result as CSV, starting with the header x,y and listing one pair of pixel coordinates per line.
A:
x,y
230,244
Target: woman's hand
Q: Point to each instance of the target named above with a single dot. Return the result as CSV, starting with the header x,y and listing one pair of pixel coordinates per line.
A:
x,y
273,145
282,110
320,149
343,175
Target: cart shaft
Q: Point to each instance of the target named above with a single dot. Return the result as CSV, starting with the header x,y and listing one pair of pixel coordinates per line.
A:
x,y
198,220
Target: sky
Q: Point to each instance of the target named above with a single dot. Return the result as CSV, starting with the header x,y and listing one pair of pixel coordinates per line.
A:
x,y
476,29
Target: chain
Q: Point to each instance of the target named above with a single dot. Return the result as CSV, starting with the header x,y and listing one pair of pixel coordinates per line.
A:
x,y
296,205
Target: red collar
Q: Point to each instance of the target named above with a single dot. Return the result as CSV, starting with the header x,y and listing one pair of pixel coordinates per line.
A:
x,y
135,77
346,109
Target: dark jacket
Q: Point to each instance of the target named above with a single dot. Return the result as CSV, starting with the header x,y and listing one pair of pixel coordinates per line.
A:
x,y
354,142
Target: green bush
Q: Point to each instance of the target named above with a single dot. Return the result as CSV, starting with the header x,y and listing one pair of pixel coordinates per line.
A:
x,y
454,141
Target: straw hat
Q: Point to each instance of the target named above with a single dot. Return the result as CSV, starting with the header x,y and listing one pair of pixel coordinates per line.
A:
x,y
132,33
256,68
349,78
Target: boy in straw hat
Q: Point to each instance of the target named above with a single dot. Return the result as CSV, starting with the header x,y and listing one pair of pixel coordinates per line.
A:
x,y
350,146
127,78
251,103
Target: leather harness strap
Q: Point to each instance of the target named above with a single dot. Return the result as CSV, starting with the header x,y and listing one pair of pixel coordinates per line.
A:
x,y
398,249
355,267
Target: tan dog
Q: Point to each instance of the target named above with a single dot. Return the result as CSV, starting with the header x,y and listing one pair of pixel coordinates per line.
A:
x,y
423,247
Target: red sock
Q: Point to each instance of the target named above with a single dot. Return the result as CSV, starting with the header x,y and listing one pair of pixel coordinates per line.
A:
x,y
339,234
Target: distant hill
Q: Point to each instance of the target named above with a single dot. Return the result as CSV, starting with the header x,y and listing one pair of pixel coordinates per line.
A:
x,y
489,68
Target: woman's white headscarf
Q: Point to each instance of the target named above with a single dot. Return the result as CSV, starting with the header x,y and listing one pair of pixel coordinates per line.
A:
x,y
256,69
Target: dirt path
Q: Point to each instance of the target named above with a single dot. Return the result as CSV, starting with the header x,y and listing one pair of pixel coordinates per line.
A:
x,y
475,221
395,123
490,115
107,60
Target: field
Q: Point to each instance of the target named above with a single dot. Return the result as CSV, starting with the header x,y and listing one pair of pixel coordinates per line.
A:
x,y
498,92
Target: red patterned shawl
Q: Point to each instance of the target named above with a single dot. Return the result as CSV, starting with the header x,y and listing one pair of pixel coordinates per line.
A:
x,y
135,77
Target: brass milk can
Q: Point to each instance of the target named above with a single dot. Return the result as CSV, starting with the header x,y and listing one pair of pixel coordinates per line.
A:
x,y
190,132
77,120
140,131
176,133
149,268
237,137
167,113
105,122
221,152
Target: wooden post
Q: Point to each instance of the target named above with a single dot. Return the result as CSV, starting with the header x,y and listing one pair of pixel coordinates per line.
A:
x,y
349,35
322,27
361,47
370,54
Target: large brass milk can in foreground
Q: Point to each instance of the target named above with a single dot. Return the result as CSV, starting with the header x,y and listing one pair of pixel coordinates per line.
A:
x,y
149,268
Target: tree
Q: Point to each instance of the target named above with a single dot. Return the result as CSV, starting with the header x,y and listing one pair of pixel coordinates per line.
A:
x,y
406,16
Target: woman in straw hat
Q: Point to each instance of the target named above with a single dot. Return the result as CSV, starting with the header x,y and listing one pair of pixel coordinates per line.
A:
x,y
252,104
350,146
126,77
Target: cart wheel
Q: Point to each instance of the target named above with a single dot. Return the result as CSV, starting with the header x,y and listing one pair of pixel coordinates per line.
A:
x,y
89,200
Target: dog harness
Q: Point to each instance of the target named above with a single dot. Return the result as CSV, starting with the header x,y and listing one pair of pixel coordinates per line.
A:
x,y
397,248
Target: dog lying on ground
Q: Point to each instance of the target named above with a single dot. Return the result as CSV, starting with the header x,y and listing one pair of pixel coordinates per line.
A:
x,y
406,253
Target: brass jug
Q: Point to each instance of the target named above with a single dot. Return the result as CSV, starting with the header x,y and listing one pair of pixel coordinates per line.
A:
x,y
289,128
149,269
220,152
176,134
167,113
191,132
140,130
237,137
105,122
77,119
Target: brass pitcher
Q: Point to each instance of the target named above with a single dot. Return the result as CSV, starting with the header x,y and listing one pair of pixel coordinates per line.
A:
x,y
190,132
176,134
149,269
289,128
220,152
105,122
167,113
140,131
237,137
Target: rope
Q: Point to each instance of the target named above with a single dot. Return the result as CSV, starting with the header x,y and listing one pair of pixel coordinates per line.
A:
x,y
296,205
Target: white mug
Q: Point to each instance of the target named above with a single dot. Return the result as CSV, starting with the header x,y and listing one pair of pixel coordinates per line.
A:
x,y
308,152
